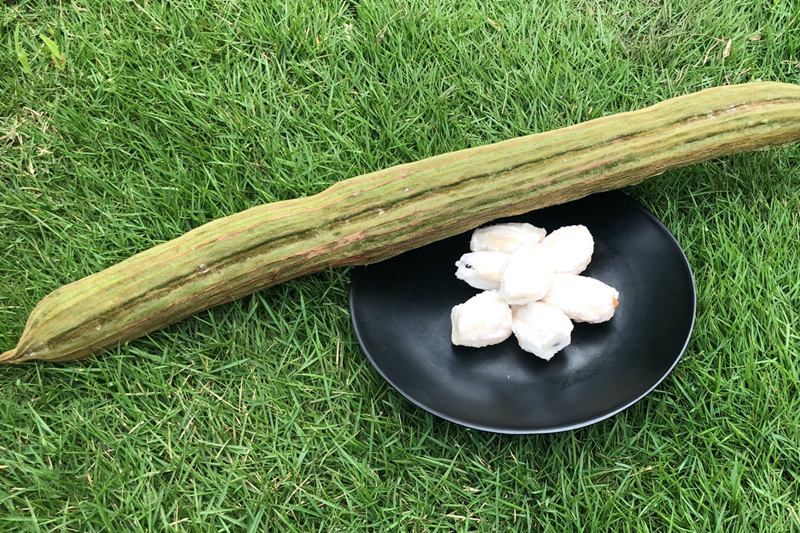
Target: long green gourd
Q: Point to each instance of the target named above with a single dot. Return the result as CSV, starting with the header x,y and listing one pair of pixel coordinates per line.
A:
x,y
381,214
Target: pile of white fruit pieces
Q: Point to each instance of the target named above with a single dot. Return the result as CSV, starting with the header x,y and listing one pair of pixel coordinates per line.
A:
x,y
532,288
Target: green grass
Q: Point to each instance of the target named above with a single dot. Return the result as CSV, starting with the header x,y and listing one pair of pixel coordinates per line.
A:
x,y
126,123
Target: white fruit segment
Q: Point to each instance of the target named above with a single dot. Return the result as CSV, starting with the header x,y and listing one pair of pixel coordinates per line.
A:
x,y
505,237
541,329
482,320
583,299
482,270
527,275
572,248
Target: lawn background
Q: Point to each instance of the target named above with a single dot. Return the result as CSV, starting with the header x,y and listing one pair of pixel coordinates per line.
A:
x,y
127,123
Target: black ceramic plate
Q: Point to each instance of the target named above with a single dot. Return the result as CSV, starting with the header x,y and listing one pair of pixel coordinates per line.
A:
x,y
401,314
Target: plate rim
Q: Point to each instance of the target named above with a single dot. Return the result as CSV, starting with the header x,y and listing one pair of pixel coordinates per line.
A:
x,y
550,429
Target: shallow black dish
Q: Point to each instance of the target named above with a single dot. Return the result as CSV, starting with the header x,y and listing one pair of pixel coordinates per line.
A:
x,y
401,314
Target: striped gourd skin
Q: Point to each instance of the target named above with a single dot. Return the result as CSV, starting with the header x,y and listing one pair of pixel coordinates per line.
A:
x,y
381,214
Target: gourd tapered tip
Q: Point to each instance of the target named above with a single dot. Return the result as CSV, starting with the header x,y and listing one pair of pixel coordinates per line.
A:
x,y
9,357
